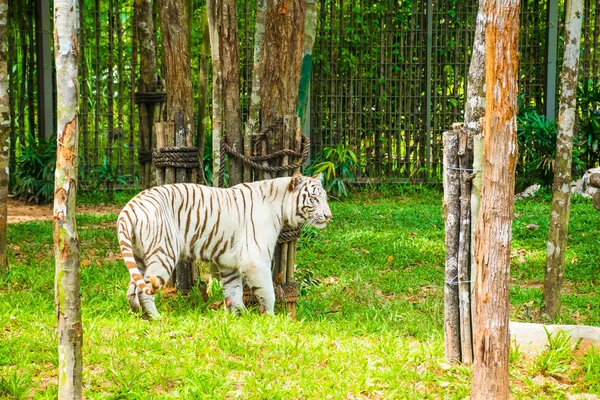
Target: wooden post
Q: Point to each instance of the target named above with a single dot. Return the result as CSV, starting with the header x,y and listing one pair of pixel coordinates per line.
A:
x,y
465,151
452,219
44,67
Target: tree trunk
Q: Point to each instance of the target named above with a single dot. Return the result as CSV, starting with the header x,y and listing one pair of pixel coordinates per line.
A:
x,y
30,77
491,337
203,92
120,88
4,132
110,84
147,82
174,21
223,31
11,61
284,29
66,241
84,92
474,113
561,191
217,100
97,79
253,121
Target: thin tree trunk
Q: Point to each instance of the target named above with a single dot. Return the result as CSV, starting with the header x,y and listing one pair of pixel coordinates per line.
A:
x,y
147,81
4,132
110,84
474,113
12,55
203,92
84,91
24,73
253,121
561,191
230,70
66,241
97,79
120,100
31,73
491,337
217,101
132,129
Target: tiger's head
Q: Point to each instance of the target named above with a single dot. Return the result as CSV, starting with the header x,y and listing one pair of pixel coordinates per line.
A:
x,y
310,201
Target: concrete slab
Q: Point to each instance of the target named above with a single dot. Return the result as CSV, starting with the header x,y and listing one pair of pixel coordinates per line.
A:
x,y
532,337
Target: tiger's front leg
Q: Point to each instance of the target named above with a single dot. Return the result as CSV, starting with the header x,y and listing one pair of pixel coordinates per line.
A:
x,y
258,279
233,289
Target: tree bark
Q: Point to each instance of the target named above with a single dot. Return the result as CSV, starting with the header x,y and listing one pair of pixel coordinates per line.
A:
x,y
147,81
474,114
84,92
66,241
217,100
4,133
561,191
452,220
223,33
253,121
175,30
491,339
203,92
284,29
174,23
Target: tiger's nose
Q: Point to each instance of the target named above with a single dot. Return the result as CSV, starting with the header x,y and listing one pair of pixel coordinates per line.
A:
x,y
328,217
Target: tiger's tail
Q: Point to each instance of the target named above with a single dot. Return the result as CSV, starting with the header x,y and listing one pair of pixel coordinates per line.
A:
x,y
125,233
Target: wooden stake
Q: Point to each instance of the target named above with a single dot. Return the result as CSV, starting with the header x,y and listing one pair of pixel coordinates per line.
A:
x,y
451,215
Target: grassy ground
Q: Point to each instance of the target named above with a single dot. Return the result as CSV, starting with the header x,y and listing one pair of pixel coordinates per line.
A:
x,y
369,323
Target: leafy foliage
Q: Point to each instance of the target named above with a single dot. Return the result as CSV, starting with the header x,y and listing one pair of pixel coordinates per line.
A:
x,y
588,102
106,176
35,171
337,165
536,137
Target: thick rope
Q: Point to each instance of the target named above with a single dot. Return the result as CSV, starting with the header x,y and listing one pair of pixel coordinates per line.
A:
x,y
288,234
177,157
149,97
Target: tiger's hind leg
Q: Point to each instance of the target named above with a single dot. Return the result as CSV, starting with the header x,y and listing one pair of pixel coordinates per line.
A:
x,y
157,274
231,281
258,278
132,290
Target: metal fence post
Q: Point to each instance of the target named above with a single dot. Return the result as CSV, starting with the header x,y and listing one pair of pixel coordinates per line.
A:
x,y
551,59
44,64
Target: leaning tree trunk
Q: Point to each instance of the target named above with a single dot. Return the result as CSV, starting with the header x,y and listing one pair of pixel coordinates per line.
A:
x,y
66,241
4,132
174,23
491,337
144,25
561,196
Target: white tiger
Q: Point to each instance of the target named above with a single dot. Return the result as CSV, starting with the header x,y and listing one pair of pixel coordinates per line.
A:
x,y
235,228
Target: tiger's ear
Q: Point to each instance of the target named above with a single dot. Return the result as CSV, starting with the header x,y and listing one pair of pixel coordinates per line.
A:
x,y
318,177
295,181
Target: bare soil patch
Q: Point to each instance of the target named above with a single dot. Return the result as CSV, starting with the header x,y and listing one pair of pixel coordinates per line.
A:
x,y
20,211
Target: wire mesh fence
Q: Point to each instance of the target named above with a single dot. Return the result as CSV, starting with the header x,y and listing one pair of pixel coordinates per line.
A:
x,y
388,77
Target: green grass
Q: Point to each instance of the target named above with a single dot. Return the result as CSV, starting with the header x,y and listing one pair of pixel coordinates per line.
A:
x,y
369,322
